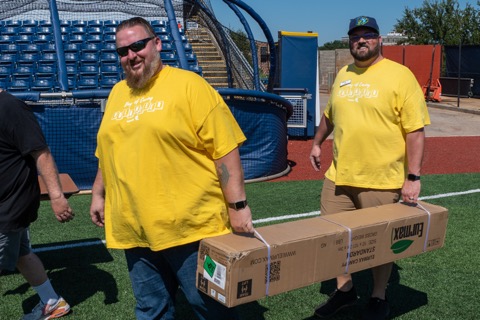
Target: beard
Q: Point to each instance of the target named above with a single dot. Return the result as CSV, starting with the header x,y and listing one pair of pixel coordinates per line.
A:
x,y
365,55
139,81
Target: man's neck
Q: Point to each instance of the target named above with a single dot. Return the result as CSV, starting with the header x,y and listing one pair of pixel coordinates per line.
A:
x,y
368,63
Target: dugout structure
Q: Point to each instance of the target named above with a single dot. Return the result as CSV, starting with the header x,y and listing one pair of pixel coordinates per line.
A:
x,y
59,56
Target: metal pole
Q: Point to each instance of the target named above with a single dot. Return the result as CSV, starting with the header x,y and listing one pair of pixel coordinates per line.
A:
x,y
459,72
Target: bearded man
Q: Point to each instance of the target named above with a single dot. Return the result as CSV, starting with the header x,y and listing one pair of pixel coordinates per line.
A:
x,y
377,113
169,175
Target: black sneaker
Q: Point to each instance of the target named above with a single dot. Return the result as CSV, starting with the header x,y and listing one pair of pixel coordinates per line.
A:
x,y
377,309
337,301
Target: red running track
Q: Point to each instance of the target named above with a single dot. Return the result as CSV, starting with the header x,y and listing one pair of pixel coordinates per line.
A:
x,y
443,155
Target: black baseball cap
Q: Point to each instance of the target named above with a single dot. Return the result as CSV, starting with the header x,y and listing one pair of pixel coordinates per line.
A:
x,y
363,21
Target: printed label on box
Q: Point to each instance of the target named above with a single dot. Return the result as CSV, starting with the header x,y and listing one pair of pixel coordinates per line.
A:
x,y
214,272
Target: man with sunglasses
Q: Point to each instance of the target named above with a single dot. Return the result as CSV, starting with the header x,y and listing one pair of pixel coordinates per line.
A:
x,y
377,113
169,175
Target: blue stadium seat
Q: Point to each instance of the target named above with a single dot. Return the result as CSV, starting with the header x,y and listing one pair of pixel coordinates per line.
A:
x,y
165,38
29,48
195,68
88,70
5,71
44,23
46,71
89,57
78,30
108,82
47,58
9,30
43,38
65,30
110,69
95,23
90,47
79,23
94,30
23,71
18,85
109,30
109,38
29,23
76,38
42,85
71,57
8,59
13,23
3,83
44,30
27,58
27,30
167,47
86,83
71,68
108,57
24,38
111,23
168,56
72,83
107,47
161,30
8,48
49,48
187,47
94,38
158,23
7,39
65,23
72,47
191,57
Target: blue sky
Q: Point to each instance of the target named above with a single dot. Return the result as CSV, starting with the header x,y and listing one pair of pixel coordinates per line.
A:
x,y
328,18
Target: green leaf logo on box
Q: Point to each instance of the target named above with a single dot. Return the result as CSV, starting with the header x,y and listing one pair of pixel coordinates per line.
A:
x,y
400,243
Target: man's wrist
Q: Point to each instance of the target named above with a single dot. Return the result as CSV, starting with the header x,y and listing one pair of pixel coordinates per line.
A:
x,y
239,205
413,177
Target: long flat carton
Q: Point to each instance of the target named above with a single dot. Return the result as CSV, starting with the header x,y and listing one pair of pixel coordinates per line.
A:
x,y
235,269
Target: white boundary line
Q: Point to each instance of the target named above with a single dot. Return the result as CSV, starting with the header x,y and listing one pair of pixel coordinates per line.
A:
x,y
281,218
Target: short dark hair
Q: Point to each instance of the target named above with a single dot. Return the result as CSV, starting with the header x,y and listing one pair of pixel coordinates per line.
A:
x,y
136,21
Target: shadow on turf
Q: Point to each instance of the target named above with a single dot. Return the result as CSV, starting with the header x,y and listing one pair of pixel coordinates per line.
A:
x,y
73,272
402,299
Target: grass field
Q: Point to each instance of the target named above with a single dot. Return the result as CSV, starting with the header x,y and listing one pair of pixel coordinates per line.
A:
x,y
443,284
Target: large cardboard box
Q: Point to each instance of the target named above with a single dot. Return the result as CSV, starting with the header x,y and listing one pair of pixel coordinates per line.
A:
x,y
235,269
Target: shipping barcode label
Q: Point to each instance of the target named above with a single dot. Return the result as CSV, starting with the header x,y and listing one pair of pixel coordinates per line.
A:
x,y
214,272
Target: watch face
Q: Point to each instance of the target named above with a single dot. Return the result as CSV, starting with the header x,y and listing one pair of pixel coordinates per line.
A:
x,y
413,177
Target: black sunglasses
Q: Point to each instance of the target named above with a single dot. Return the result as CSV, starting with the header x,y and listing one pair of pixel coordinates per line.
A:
x,y
365,36
135,47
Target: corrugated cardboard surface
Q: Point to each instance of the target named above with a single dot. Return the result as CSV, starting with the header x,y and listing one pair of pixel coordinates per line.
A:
x,y
233,268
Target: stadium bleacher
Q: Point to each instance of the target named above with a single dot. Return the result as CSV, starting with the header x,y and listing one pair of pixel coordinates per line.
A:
x,y
28,58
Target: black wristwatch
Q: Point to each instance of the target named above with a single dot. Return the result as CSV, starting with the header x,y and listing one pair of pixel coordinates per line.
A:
x,y
238,205
412,177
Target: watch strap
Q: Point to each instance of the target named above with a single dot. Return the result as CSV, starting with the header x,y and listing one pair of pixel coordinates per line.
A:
x,y
238,205
412,177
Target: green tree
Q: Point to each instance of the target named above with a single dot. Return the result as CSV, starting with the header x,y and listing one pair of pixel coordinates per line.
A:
x,y
337,44
241,40
440,22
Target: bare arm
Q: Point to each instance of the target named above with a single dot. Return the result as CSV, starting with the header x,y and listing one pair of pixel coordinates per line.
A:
x,y
324,130
415,147
98,201
48,170
230,173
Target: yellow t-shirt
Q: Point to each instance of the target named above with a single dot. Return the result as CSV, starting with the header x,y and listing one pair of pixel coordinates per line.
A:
x,y
372,109
156,150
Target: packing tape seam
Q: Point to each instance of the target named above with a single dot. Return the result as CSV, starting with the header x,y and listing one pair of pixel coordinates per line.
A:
x,y
349,241
428,226
268,260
